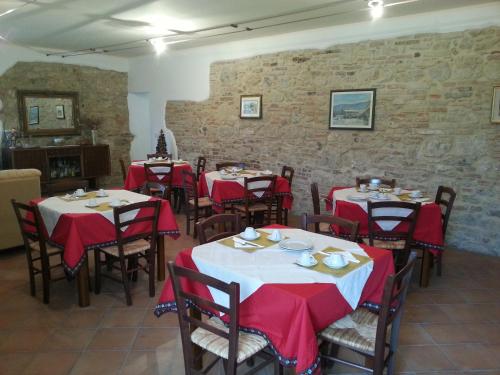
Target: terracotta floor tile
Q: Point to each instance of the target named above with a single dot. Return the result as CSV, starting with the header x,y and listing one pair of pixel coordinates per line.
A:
x,y
123,317
421,358
59,363
473,356
413,334
478,313
425,314
154,362
14,363
481,295
113,339
69,339
157,338
93,363
449,333
166,320
24,340
82,318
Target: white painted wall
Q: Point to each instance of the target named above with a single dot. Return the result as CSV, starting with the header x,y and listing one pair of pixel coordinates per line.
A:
x,y
184,74
138,116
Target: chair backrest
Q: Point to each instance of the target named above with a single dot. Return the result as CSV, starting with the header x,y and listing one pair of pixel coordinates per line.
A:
x,y
143,225
159,155
395,290
123,168
190,187
315,198
345,226
225,225
288,172
260,188
229,164
405,234
200,166
184,295
391,182
445,197
30,224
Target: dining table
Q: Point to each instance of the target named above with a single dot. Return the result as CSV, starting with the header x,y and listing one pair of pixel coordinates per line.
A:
x,y
226,189
286,303
78,224
136,175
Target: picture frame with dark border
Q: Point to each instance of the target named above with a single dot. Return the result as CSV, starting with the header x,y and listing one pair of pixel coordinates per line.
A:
x,y
495,105
251,106
60,112
34,115
352,109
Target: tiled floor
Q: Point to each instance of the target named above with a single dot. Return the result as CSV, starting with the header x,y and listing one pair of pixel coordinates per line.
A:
x,y
451,327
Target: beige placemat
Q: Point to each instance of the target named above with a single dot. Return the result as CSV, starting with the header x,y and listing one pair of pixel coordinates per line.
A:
x,y
246,171
102,207
321,267
88,195
262,240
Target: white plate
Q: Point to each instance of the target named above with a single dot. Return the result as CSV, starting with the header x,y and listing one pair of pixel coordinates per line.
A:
x,y
421,199
242,235
266,173
296,245
307,265
381,199
111,204
228,177
326,263
357,197
80,195
91,205
101,196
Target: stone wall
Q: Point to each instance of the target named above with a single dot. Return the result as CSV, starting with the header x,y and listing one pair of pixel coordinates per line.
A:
x,y
432,122
102,96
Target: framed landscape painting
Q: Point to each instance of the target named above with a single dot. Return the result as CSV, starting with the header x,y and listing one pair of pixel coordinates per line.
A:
x,y
495,106
352,109
251,106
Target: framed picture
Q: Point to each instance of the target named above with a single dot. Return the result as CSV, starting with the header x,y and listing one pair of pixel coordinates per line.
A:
x,y
33,118
495,106
251,106
352,109
60,111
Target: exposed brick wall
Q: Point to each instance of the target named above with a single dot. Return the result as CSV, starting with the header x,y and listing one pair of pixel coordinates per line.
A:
x,y
102,96
432,123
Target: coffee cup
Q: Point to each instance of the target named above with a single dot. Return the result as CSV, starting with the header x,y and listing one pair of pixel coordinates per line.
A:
x,y
373,186
101,193
416,194
115,202
275,235
92,202
250,233
397,190
306,259
362,187
79,192
336,260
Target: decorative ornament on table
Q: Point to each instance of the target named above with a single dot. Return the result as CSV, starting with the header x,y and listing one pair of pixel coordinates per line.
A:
x,y
92,124
161,145
11,138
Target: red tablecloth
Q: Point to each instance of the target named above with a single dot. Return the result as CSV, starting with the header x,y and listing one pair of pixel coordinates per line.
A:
x,y
226,191
77,233
136,176
289,316
428,230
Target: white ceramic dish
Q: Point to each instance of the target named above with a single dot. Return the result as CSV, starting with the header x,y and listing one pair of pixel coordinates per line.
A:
x,y
306,265
335,267
228,177
266,173
296,245
80,195
112,204
357,197
386,198
242,235
270,239
91,205
102,195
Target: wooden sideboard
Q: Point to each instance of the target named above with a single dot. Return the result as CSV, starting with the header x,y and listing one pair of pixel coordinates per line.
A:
x,y
63,167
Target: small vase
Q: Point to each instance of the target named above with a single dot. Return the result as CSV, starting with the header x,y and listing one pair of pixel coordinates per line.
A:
x,y
93,134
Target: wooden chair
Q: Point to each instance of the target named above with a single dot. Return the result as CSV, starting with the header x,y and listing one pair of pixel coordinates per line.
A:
x,y
257,200
319,227
391,182
130,249
200,166
445,197
155,177
159,155
37,249
229,164
400,242
192,202
123,169
287,173
212,335
224,225
366,333
348,226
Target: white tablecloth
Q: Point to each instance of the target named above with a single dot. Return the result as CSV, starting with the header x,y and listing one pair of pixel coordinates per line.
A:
x,y
52,208
211,177
274,265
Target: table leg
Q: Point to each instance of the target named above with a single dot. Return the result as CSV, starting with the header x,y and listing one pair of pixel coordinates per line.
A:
x,y
83,284
426,268
279,210
198,364
160,252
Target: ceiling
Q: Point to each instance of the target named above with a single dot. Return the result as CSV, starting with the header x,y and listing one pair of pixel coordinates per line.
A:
x,y
120,27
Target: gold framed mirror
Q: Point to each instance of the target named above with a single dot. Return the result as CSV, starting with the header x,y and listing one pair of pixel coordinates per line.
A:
x,y
48,113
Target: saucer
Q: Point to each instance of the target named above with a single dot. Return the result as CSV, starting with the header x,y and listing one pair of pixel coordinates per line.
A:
x,y
296,245
298,262
101,195
242,235
270,239
121,203
266,173
80,195
386,198
91,205
228,177
335,267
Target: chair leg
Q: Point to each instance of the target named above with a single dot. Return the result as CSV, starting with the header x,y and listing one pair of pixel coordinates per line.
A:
x,y
126,285
97,270
151,269
109,262
188,220
31,274
425,268
286,216
439,261
196,218
278,368
46,279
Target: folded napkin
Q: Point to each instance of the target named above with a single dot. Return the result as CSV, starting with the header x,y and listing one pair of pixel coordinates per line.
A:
x,y
347,255
238,244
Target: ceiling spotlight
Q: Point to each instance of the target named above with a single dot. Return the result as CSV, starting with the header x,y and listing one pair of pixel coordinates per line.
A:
x,y
376,8
159,45
7,12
